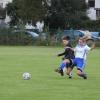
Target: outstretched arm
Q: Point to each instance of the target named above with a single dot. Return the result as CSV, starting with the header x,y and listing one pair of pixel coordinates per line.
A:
x,y
61,54
66,51
93,46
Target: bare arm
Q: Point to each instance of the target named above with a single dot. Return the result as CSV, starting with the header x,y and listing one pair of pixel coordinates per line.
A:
x,y
93,46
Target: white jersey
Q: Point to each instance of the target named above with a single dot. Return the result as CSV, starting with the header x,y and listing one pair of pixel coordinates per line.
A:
x,y
81,51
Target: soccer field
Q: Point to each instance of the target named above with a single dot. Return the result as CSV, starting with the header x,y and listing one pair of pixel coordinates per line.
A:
x,y
45,84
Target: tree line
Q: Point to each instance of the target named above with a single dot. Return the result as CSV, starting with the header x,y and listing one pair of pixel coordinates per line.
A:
x,y
55,13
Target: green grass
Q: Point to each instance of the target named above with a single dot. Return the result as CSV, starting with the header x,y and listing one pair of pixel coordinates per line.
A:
x,y
45,84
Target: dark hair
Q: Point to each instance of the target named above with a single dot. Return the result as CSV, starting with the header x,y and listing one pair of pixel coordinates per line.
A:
x,y
66,38
69,44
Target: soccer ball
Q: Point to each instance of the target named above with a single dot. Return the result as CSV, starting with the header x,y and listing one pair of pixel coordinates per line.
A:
x,y
26,76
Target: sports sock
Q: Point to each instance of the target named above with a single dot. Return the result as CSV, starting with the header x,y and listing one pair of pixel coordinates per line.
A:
x,y
62,65
83,75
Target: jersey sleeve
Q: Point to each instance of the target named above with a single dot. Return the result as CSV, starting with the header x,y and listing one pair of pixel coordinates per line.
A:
x,y
75,49
65,52
61,54
88,48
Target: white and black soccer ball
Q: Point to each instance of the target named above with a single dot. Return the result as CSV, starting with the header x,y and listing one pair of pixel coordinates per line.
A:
x,y
26,76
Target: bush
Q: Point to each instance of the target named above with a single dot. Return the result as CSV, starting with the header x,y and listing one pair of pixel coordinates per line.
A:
x,y
90,25
9,37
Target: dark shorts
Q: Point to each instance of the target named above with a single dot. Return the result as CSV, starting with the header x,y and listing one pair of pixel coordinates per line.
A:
x,y
70,65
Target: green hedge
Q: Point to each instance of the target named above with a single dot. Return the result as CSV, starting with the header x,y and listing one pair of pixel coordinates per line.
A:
x,y
9,37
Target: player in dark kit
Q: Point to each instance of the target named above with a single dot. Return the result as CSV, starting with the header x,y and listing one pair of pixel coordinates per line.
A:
x,y
68,55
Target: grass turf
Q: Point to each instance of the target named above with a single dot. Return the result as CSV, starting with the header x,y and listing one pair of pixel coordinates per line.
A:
x,y
45,84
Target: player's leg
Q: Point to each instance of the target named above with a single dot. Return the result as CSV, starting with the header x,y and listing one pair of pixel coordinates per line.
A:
x,y
62,66
70,67
64,63
60,69
69,72
80,65
81,74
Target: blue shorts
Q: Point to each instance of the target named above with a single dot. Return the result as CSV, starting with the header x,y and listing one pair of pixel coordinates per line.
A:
x,y
79,63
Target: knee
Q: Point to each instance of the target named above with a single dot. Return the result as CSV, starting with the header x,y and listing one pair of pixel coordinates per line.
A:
x,y
68,73
66,61
78,72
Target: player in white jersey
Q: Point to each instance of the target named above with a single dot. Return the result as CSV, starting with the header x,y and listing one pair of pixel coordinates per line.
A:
x,y
81,51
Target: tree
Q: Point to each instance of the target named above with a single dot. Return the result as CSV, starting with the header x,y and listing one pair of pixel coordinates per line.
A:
x,y
12,12
2,13
56,13
26,10
65,13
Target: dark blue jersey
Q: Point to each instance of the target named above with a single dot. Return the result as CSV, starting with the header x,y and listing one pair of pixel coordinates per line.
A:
x,y
68,53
